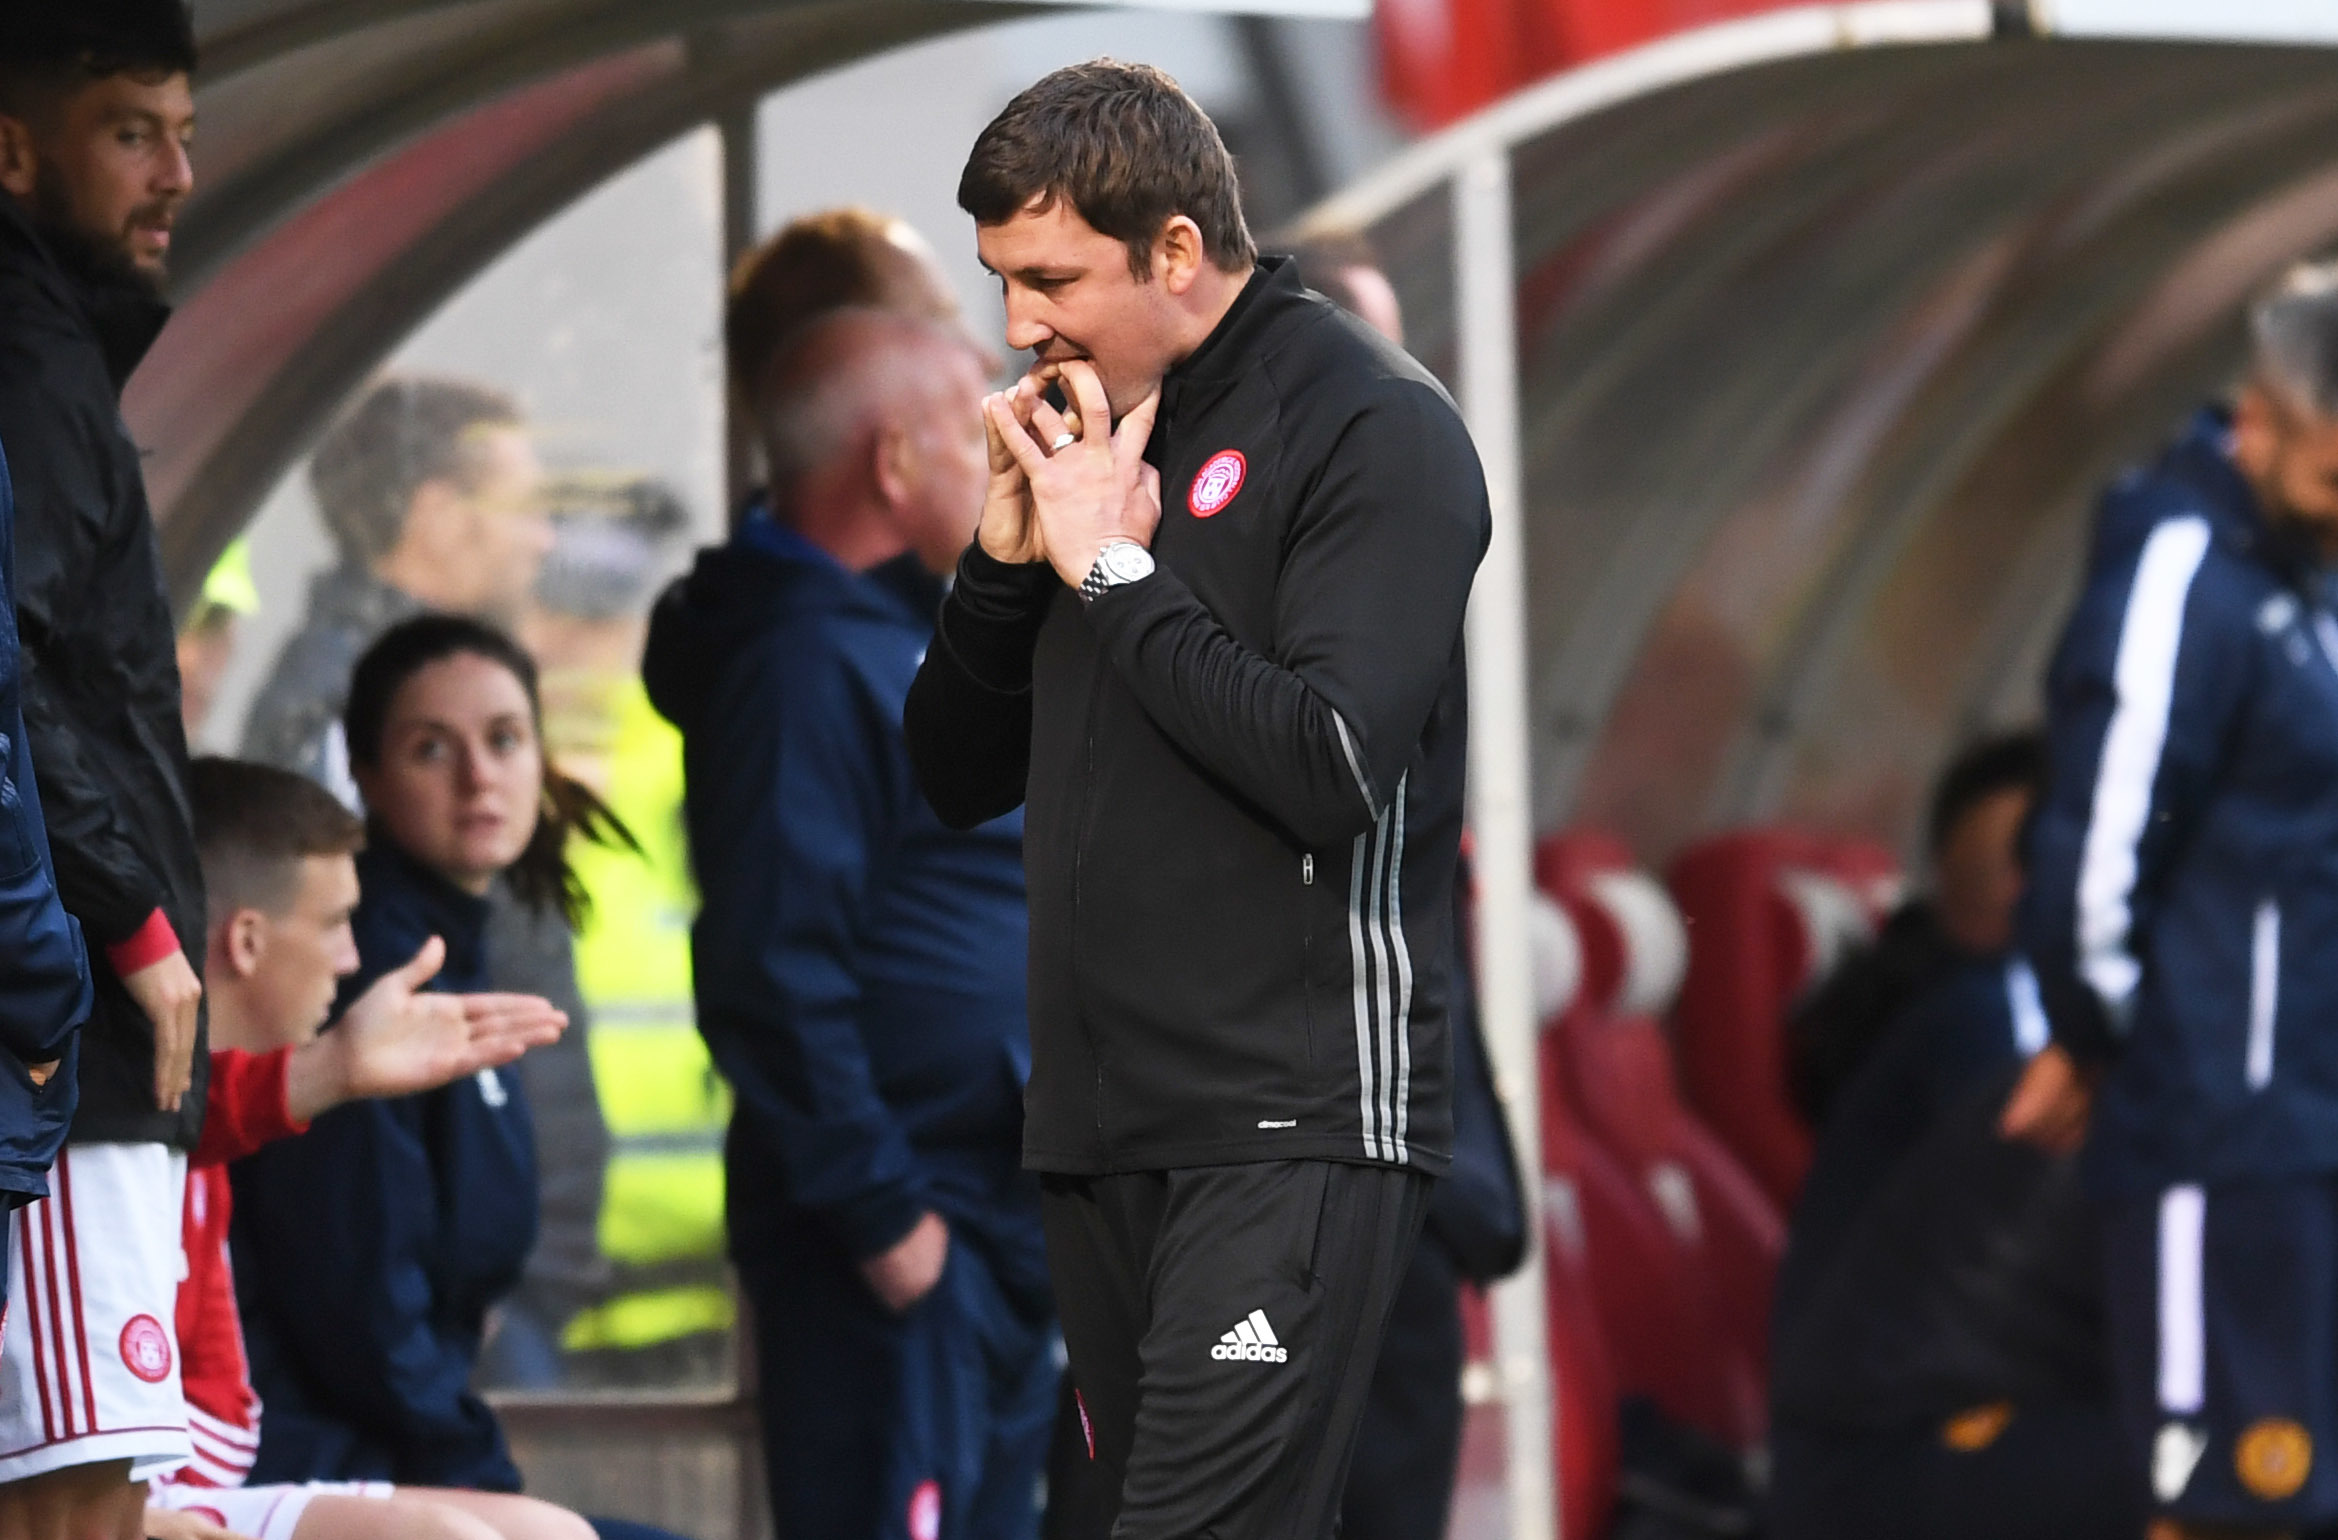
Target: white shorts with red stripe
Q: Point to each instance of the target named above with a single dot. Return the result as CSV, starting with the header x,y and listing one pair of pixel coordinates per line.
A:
x,y
261,1513
89,1364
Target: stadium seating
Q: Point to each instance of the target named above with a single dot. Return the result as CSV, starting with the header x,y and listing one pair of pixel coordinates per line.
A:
x,y
1610,1064
1768,911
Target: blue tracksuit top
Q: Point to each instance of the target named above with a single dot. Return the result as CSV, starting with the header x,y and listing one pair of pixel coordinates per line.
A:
x,y
1979,1017
2183,903
44,972
860,968
368,1249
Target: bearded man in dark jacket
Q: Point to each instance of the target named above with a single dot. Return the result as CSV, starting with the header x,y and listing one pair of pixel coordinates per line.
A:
x,y
95,117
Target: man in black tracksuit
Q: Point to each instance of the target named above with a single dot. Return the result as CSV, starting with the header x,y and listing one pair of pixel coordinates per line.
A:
x,y
1216,654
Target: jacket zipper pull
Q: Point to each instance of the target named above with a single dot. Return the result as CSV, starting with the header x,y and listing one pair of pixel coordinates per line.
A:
x,y
1307,870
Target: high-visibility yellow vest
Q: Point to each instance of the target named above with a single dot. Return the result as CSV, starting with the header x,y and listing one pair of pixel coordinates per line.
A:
x,y
666,1106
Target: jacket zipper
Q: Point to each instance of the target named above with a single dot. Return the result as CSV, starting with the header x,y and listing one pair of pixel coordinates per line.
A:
x,y
1079,875
1307,953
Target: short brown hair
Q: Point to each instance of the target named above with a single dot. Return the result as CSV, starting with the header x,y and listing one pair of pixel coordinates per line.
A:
x,y
401,434
253,826
843,258
1126,146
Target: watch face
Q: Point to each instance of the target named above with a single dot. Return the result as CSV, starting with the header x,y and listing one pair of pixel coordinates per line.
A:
x,y
1127,563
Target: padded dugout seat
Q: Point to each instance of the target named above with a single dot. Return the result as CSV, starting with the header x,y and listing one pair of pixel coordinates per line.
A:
x,y
1608,1060
1586,1439
1768,913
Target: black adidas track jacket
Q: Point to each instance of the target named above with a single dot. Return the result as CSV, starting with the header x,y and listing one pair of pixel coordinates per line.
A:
x,y
1244,772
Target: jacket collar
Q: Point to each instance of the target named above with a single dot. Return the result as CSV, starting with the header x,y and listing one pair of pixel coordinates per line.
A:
x,y
350,598
2202,459
903,580
388,873
120,315
1231,350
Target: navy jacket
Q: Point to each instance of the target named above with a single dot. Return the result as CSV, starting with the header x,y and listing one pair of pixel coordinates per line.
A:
x,y
1933,1265
859,967
1973,1021
2183,901
369,1248
44,973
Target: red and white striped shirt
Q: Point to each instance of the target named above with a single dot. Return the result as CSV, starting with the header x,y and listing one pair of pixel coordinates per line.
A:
x,y
244,1109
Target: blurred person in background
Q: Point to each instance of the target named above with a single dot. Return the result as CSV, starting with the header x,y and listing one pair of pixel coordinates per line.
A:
x,y
667,1313
859,968
373,1245
1938,1366
434,498
1409,1448
2182,906
207,640
1973,838
821,262
96,117
1343,268
1942,1028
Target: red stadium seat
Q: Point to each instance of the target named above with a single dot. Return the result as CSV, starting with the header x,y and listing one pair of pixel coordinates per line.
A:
x,y
1655,1314
1617,1076
1585,1440
1768,912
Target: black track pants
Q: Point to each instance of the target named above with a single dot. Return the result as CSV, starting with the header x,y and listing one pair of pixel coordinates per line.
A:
x,y
1223,1323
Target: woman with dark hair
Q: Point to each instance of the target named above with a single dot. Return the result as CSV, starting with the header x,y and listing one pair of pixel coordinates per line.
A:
x,y
370,1249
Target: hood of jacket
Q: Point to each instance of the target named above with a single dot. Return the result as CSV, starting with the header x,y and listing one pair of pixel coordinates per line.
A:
x,y
764,579
2198,466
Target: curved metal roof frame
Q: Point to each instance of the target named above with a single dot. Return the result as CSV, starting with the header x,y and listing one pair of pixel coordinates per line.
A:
x,y
410,92
372,158
1825,339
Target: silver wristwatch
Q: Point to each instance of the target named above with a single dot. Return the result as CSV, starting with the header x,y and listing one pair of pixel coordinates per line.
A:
x,y
1121,561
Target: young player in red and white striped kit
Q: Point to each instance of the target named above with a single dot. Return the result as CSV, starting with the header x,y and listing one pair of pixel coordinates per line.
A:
x,y
276,853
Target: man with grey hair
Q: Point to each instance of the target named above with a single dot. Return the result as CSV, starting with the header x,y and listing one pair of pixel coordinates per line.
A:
x,y
2183,904
859,968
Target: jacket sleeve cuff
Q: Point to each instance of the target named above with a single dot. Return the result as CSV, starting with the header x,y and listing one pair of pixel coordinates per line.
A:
x,y
993,615
878,1224
149,944
246,1105
2094,1051
1003,591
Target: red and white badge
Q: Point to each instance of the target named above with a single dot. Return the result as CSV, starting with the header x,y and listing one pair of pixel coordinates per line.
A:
x,y
1219,480
146,1349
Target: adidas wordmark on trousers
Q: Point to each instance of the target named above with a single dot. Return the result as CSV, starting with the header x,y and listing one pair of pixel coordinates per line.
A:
x,y
1223,1324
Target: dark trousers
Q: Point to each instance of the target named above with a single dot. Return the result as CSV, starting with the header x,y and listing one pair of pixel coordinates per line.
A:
x,y
2050,1473
1401,1485
1223,1323
931,1425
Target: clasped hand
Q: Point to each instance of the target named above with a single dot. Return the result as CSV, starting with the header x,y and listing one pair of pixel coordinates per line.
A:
x,y
1062,504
